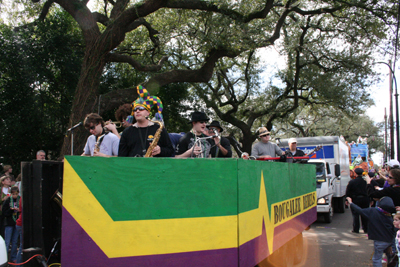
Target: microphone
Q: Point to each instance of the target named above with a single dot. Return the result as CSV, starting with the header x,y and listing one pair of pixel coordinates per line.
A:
x,y
76,126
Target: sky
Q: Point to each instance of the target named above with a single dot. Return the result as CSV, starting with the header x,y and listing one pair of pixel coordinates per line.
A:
x,y
381,94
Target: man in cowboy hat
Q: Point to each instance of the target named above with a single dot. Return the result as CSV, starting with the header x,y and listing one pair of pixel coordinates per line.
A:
x,y
265,148
137,138
223,148
195,143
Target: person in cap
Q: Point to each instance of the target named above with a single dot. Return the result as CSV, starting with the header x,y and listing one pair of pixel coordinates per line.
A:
x,y
380,226
393,164
223,148
293,150
264,148
190,145
100,143
136,139
357,191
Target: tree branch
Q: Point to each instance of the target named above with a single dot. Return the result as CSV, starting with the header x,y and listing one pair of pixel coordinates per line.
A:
x,y
101,18
45,10
203,74
114,57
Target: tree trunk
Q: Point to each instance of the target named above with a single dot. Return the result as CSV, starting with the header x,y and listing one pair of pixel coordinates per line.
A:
x,y
85,100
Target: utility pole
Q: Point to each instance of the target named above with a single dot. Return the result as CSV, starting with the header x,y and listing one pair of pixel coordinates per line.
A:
x,y
386,144
391,124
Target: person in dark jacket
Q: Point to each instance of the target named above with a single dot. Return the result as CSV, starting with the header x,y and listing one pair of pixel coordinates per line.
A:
x,y
357,191
223,148
380,226
393,191
138,138
293,150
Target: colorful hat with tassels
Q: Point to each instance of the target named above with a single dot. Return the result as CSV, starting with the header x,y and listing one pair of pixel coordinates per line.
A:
x,y
147,101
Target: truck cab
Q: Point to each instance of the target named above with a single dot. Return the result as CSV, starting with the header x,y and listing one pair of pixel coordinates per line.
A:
x,y
325,188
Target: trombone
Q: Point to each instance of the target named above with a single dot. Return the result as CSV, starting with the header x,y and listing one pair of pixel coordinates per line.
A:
x,y
118,124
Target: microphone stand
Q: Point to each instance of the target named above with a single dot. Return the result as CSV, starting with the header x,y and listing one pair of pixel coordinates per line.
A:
x,y
72,136
72,142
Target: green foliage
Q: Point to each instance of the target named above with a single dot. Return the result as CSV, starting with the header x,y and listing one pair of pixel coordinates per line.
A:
x,y
39,70
327,45
330,121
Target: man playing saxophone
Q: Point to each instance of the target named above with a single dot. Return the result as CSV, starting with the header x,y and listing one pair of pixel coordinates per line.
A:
x,y
100,143
138,138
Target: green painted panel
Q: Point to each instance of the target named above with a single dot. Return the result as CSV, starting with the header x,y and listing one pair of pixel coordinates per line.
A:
x,y
160,188
282,181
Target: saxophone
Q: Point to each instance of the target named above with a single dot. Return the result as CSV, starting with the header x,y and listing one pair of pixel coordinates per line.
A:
x,y
155,140
98,142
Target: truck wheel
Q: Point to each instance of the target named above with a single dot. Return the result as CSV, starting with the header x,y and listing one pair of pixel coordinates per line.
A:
x,y
340,205
329,216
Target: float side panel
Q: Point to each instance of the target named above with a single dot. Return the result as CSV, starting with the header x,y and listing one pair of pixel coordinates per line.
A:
x,y
284,198
166,209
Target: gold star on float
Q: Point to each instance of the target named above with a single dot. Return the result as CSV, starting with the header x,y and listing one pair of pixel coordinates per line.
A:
x,y
264,214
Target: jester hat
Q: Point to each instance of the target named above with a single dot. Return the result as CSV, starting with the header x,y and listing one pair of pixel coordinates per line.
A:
x,y
147,101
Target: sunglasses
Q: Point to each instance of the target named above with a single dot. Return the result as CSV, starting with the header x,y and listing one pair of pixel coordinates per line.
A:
x,y
265,135
139,108
92,127
391,177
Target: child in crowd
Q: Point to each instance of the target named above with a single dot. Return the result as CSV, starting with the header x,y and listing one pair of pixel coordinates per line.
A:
x,y
10,211
380,226
396,223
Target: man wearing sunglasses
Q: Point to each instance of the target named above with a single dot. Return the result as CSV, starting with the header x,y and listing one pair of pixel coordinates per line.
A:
x,y
136,139
264,148
392,191
196,144
106,142
223,149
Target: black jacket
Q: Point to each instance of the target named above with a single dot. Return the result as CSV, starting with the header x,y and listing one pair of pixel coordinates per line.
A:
x,y
392,192
225,144
299,153
136,140
357,191
8,212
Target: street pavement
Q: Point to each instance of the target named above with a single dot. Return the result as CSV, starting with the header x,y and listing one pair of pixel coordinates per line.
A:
x,y
335,245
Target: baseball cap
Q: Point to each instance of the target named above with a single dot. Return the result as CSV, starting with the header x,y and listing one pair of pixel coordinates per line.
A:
x,y
393,163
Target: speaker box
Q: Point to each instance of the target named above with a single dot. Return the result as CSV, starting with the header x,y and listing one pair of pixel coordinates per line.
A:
x,y
41,209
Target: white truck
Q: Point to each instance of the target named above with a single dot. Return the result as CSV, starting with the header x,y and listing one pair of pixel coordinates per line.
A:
x,y
332,171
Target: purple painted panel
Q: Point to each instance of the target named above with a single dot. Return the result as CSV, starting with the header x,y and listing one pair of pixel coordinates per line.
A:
x,y
78,249
254,251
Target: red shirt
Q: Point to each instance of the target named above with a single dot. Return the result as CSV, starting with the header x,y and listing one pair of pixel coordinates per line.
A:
x,y
19,220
